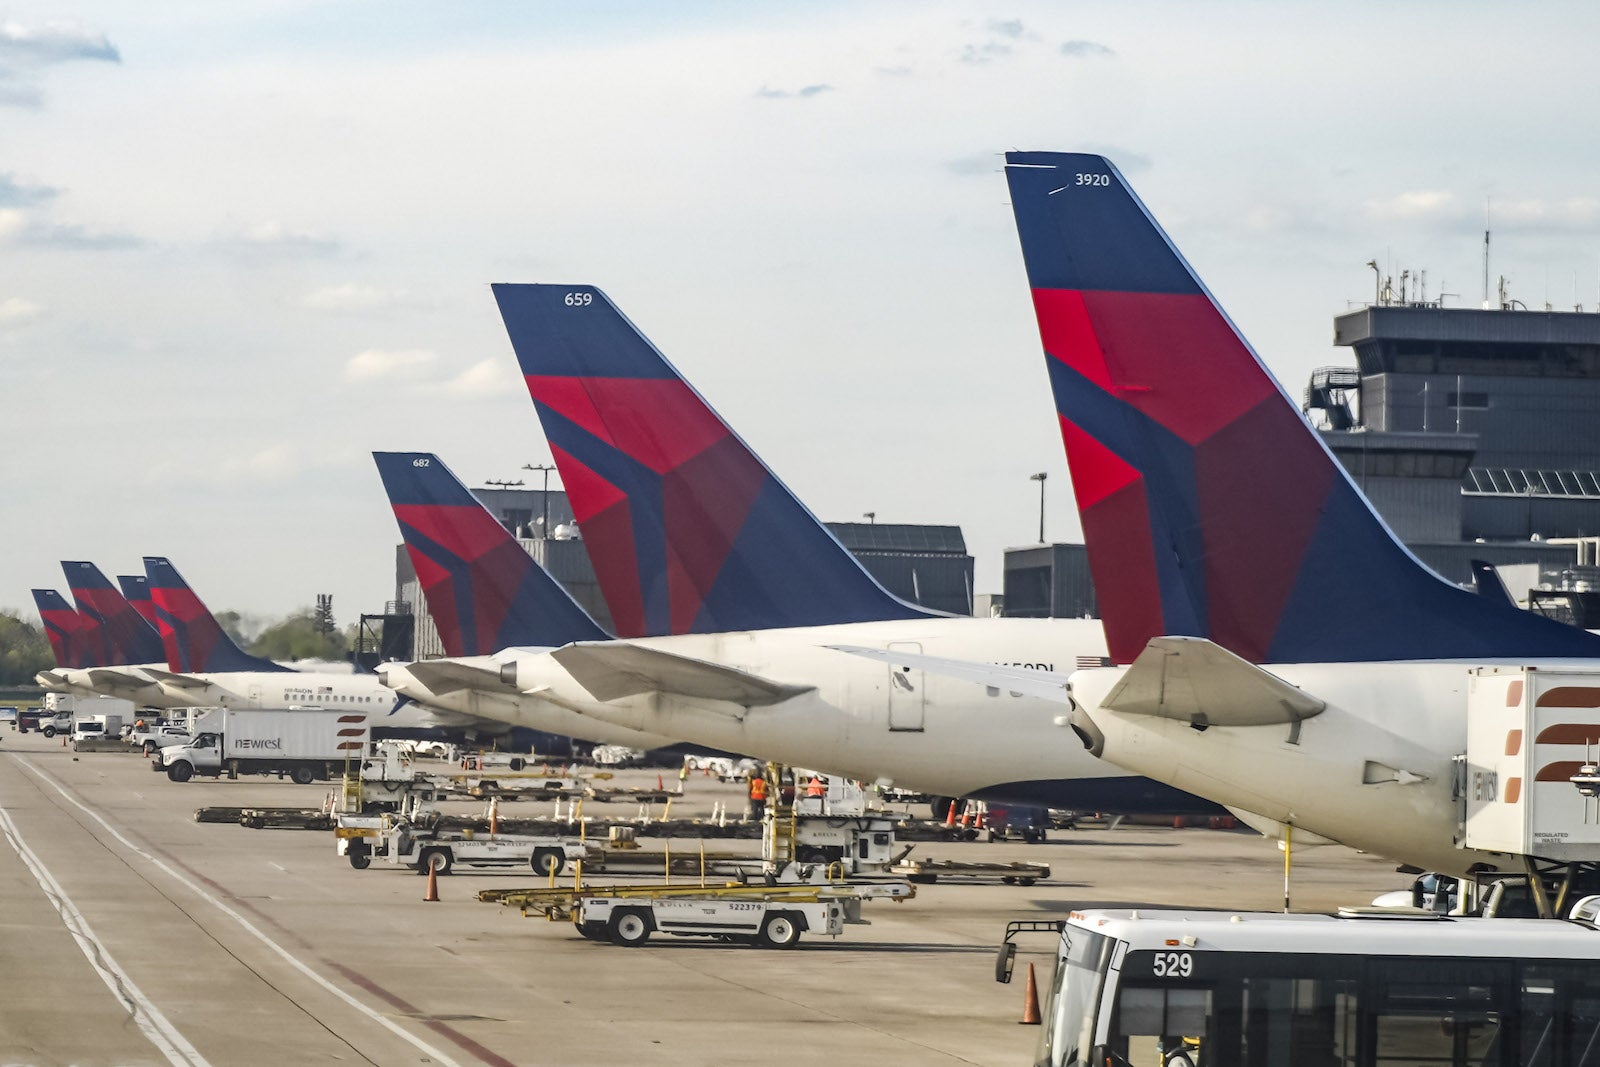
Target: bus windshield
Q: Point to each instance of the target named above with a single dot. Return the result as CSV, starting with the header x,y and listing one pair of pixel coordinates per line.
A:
x,y
1075,998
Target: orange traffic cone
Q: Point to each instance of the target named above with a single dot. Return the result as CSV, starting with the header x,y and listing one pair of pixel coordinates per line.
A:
x,y
1030,1001
966,817
433,895
63,740
950,816
660,785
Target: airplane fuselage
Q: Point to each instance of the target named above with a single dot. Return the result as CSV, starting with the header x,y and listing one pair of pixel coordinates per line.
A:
x,y
1375,770
919,731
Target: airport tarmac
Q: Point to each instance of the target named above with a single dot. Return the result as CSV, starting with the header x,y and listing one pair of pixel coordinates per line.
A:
x,y
134,935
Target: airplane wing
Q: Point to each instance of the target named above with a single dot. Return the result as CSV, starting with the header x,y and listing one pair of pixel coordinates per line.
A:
x,y
611,670
1195,681
447,676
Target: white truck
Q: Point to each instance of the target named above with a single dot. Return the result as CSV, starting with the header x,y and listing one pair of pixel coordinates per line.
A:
x,y
61,710
152,737
307,744
90,728
401,843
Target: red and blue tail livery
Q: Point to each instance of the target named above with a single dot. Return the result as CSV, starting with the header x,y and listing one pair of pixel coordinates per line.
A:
x,y
484,591
1209,506
194,641
64,629
688,530
136,590
117,632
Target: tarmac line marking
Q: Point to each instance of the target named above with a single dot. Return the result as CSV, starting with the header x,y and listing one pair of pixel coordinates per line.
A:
x,y
249,927
280,866
154,1025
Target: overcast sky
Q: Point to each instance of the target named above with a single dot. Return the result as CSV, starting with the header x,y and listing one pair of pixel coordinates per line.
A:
x,y
244,244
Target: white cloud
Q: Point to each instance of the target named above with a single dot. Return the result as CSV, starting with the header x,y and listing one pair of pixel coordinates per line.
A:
x,y
804,92
276,238
12,223
1415,204
488,377
376,364
1085,49
352,297
15,309
26,51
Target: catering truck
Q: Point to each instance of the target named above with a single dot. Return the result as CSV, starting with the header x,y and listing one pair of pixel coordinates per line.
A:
x,y
307,744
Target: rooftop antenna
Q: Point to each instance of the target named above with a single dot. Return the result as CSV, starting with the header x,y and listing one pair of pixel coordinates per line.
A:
x,y
1486,203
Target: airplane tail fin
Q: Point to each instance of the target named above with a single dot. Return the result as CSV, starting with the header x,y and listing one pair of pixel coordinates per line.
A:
x,y
1210,507
484,591
688,530
194,641
136,590
120,631
64,629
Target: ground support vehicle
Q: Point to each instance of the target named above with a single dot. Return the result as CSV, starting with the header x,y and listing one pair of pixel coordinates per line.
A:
x,y
1365,988
307,744
398,841
769,915
151,738
927,871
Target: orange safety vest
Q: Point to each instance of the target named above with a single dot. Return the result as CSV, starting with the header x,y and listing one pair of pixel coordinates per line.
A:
x,y
758,789
816,788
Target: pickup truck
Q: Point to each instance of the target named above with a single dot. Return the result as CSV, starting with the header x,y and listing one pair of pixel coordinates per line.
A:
x,y
152,739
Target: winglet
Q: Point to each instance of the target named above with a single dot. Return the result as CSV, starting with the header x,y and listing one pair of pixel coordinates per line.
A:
x,y
119,632
1210,507
688,530
484,592
193,639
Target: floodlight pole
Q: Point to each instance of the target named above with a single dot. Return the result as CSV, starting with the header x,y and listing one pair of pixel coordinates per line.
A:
x,y
1040,477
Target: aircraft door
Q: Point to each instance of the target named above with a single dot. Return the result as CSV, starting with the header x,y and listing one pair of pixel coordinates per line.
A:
x,y
907,701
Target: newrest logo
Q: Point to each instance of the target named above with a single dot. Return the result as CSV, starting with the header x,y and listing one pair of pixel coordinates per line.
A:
x,y
274,743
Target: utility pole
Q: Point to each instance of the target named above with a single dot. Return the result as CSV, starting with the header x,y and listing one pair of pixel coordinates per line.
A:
x,y
544,496
1040,477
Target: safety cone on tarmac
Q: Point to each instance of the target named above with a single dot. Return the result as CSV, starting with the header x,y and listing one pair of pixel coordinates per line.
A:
x,y
432,895
1030,1001
660,785
950,816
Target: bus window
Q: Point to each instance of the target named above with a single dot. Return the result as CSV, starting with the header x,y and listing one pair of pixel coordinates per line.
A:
x,y
1162,1026
1560,1015
1075,999
1439,1022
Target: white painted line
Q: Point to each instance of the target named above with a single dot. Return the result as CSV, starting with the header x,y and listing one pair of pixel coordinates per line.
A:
x,y
154,1025
249,927
280,866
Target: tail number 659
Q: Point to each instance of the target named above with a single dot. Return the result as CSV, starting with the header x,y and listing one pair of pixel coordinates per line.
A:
x,y
578,300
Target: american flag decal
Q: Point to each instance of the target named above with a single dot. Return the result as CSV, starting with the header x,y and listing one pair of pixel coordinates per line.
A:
x,y
1083,663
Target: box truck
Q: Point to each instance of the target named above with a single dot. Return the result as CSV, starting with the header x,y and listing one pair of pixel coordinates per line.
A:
x,y
307,744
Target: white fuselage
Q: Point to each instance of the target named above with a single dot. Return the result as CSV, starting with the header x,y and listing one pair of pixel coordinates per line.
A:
x,y
285,689
1375,770
921,732
513,708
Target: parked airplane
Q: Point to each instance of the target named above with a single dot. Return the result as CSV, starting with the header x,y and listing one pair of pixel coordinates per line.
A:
x,y
117,644
136,589
484,594
705,534
1223,536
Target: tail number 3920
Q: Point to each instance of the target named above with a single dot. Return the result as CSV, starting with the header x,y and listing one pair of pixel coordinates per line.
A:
x,y
1093,179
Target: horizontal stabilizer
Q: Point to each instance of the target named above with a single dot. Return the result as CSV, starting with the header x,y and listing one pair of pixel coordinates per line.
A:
x,y
1195,681
611,670
176,679
449,676
119,679
1046,685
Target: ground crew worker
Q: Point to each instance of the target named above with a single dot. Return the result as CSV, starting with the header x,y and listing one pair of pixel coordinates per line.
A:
x,y
816,787
758,795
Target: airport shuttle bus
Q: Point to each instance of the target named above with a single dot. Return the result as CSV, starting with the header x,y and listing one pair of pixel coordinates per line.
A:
x,y
1213,989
